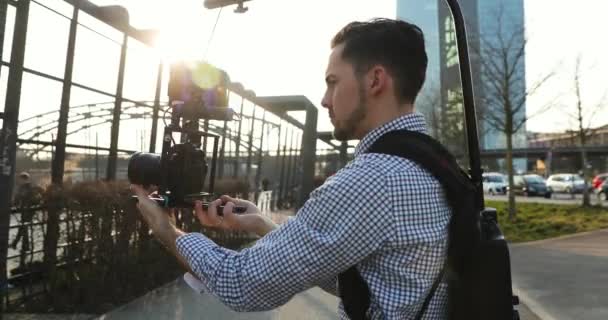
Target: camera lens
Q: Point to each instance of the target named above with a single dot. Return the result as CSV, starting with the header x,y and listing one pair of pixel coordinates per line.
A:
x,y
144,169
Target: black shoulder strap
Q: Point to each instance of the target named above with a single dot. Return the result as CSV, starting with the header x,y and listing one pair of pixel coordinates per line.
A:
x,y
427,153
433,157
431,293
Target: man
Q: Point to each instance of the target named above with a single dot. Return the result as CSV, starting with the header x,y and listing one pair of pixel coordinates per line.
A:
x,y
27,196
382,213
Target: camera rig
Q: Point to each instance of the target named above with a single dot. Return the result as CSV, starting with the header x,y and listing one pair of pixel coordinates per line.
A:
x,y
197,91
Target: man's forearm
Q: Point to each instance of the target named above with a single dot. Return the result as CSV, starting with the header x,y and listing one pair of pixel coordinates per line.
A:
x,y
168,238
169,235
264,226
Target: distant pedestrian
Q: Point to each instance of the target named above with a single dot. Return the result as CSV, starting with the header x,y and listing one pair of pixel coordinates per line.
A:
x,y
265,184
27,197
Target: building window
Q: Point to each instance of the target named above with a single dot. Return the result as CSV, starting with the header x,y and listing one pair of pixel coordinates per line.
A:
x,y
451,48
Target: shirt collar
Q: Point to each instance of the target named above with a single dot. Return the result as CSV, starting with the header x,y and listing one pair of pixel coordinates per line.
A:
x,y
410,121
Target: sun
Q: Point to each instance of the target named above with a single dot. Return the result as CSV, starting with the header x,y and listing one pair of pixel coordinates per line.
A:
x,y
173,45
180,35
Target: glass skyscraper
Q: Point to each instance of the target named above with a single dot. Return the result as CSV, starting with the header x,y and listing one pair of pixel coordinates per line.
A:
x,y
491,24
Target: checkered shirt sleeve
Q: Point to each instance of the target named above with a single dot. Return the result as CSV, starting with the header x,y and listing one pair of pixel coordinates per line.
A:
x,y
382,213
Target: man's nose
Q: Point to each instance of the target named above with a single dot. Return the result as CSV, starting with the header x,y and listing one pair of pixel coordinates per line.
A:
x,y
325,102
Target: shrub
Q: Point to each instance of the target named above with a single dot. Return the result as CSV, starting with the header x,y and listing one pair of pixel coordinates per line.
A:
x,y
98,254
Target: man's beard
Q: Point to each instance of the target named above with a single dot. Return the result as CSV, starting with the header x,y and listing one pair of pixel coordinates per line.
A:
x,y
349,126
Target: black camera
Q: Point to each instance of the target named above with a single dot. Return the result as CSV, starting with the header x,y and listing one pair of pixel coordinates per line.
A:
x,y
197,91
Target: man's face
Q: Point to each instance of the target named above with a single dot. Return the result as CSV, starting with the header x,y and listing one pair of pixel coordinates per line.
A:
x,y
344,97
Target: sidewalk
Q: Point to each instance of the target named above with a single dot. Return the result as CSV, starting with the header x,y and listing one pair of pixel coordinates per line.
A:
x,y
178,301
564,278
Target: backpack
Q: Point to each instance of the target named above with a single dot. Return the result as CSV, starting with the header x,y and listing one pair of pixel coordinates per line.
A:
x,y
477,268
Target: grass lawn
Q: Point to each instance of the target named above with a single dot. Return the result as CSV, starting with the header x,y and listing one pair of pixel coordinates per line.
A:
x,y
536,221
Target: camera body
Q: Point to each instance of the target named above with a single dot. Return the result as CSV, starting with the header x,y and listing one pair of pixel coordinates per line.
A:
x,y
197,91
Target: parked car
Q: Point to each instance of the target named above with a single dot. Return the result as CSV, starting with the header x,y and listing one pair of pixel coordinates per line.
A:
x,y
531,185
566,183
603,190
494,183
597,181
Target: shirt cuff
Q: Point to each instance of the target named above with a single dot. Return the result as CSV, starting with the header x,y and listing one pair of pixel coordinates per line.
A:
x,y
190,244
195,284
203,256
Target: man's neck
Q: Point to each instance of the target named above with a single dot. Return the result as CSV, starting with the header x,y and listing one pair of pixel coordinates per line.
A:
x,y
386,114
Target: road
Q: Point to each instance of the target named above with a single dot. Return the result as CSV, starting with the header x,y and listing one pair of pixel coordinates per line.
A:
x,y
555,199
564,278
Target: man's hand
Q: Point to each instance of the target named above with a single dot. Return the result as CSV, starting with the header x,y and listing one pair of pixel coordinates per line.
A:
x,y
250,221
159,221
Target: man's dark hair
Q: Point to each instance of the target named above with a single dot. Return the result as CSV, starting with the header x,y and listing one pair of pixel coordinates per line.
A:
x,y
395,44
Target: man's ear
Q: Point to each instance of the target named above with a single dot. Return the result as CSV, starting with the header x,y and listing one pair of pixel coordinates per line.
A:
x,y
377,80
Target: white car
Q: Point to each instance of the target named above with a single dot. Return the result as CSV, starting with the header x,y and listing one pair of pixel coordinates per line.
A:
x,y
494,183
566,183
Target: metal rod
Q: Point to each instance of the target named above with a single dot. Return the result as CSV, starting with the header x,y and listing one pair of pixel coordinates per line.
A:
x,y
213,164
112,157
229,150
159,84
3,10
278,156
222,151
8,135
282,178
70,145
469,101
75,84
251,131
258,172
309,150
93,10
57,167
96,155
296,160
238,140
290,163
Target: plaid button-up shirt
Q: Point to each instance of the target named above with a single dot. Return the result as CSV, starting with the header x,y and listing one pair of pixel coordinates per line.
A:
x,y
382,213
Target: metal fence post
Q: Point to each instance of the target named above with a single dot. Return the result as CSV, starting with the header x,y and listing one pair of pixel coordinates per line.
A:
x,y
309,149
159,83
282,177
238,141
250,146
220,166
57,167
8,136
258,172
113,154
276,162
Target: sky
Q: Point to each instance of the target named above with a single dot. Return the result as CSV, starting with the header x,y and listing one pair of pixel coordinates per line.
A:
x,y
277,47
281,47
559,31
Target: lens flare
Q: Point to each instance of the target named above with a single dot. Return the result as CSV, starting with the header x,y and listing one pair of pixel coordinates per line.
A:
x,y
206,76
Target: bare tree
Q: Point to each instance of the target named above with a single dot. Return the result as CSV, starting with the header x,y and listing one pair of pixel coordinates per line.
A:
x,y
429,103
504,92
583,118
445,119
